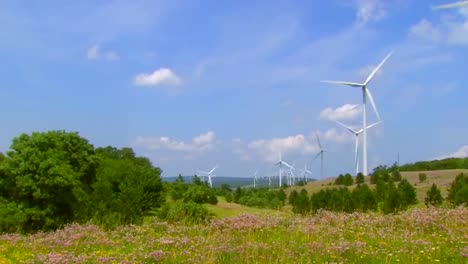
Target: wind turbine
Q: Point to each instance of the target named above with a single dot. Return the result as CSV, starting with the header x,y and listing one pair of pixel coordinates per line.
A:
x,y
320,154
280,163
209,174
356,139
451,5
291,175
365,94
255,178
305,172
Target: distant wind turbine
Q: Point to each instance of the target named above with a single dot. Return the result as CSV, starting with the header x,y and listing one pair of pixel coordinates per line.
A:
x,y
365,94
320,153
210,174
356,140
452,5
255,178
280,164
305,172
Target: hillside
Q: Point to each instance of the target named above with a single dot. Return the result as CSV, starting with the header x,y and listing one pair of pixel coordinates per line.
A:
x,y
442,178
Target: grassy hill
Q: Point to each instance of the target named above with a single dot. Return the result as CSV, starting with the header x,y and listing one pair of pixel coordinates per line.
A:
x,y
442,178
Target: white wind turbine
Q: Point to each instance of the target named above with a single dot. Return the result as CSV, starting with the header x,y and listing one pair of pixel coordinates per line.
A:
x,y
305,172
365,94
280,164
320,153
255,178
209,174
291,175
452,5
356,140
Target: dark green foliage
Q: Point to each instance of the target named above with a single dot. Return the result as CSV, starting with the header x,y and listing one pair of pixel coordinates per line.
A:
x,y
300,203
433,196
346,180
458,192
293,197
364,199
392,200
359,178
445,164
196,180
422,177
127,186
228,197
200,194
339,180
338,199
260,197
396,175
185,212
49,177
407,194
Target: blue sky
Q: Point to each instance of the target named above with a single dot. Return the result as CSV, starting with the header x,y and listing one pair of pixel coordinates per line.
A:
x,y
191,84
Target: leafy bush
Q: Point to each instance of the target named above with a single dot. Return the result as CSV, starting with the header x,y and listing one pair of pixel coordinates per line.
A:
x,y
433,196
185,212
359,178
422,177
458,191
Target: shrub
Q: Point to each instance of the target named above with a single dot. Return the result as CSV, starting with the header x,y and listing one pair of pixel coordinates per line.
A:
x,y
359,178
458,191
185,212
422,177
433,196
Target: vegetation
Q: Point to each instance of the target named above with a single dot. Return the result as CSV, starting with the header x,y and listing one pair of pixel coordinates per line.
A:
x,y
445,164
54,178
422,177
433,197
458,192
428,235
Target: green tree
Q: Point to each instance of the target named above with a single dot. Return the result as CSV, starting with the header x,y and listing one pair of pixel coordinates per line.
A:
x,y
364,198
396,175
127,186
293,197
433,196
407,193
48,176
458,191
348,180
359,178
422,177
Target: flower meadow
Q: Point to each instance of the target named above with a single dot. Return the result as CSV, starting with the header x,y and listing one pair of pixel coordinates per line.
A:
x,y
427,235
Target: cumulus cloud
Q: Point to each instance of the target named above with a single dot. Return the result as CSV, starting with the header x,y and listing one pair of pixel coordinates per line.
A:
x,y
369,10
342,113
269,149
335,135
95,53
424,29
460,153
162,76
200,143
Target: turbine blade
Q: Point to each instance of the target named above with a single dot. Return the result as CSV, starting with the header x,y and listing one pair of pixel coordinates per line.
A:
x,y
369,78
374,124
451,5
316,156
346,127
353,84
318,140
371,99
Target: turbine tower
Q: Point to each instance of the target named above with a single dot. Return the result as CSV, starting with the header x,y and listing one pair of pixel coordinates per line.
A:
x,y
209,174
305,172
365,94
255,178
452,5
320,154
356,140
280,164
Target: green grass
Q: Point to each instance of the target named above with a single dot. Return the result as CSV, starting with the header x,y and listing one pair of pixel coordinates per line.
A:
x,y
225,209
426,235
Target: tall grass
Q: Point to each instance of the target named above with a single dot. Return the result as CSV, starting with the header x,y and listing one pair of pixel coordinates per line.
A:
x,y
428,235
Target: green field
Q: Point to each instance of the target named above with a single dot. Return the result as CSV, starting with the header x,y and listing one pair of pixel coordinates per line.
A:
x,y
415,236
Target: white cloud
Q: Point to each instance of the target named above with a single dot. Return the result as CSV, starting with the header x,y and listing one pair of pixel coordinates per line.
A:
x,y
199,143
460,153
335,136
343,113
162,76
426,30
95,53
269,149
369,10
